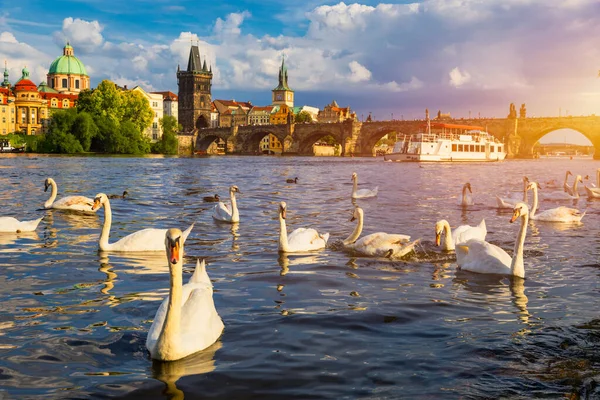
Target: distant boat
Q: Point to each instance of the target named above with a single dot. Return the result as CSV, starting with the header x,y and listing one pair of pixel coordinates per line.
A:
x,y
448,142
6,147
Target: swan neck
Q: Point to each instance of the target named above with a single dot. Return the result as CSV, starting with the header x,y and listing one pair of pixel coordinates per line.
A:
x,y
168,339
235,215
103,243
283,239
517,266
525,183
598,178
534,206
53,194
575,191
357,231
448,242
354,186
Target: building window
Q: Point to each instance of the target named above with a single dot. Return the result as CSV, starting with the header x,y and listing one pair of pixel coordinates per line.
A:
x,y
155,136
64,83
3,119
155,125
33,116
76,83
53,103
65,103
23,116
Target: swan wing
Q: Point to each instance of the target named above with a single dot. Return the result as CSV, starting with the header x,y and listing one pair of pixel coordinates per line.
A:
x,y
222,212
560,214
506,202
556,195
592,192
482,257
379,244
10,224
362,193
80,203
305,239
464,233
200,275
201,324
149,239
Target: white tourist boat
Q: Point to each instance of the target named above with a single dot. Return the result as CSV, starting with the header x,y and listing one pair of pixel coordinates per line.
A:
x,y
448,142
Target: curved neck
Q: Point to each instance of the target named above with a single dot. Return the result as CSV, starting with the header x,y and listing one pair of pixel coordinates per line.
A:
x,y
448,242
283,240
354,185
169,337
464,194
525,183
516,266
235,215
598,178
535,201
357,231
575,191
565,184
103,243
53,194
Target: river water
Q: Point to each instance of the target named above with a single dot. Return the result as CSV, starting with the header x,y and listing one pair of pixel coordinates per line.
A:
x,y
321,325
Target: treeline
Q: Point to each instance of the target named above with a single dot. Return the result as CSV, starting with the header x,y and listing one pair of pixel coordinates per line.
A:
x,y
106,120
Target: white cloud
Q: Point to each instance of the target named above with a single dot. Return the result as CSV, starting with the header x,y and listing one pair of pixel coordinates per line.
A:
x,y
8,37
85,35
358,73
231,25
458,78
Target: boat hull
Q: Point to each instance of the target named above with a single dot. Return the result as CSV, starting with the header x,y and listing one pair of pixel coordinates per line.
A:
x,y
405,157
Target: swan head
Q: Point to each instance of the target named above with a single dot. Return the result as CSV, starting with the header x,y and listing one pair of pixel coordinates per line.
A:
x,y
533,185
578,179
282,208
234,189
525,179
569,173
354,176
468,187
439,230
174,244
521,209
47,183
357,214
99,201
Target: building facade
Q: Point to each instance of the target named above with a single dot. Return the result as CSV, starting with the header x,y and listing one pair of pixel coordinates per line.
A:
x,y
67,74
260,115
31,108
194,93
334,113
154,131
282,94
170,104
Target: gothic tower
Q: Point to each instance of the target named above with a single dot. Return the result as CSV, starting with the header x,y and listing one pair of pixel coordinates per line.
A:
x,y
194,93
282,94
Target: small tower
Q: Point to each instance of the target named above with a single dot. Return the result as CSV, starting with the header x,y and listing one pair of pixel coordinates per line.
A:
x,y
5,83
282,94
194,93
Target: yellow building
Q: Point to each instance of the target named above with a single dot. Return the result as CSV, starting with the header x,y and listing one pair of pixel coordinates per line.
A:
x,y
31,108
281,115
67,74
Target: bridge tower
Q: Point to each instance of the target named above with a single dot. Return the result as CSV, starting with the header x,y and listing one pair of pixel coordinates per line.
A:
x,y
194,93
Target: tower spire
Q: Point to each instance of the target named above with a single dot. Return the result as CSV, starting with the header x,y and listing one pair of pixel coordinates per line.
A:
x,y
5,83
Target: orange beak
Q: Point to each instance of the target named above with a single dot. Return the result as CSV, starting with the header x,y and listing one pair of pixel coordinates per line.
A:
x,y
175,252
514,217
96,204
438,238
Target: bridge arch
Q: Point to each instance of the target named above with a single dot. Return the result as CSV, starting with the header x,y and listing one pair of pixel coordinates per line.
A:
x,y
249,142
532,138
203,142
309,139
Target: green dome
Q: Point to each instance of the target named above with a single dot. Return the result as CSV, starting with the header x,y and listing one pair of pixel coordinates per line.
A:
x,y
67,65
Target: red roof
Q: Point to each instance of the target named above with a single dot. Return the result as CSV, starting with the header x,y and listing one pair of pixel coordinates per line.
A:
x,y
25,85
5,95
167,95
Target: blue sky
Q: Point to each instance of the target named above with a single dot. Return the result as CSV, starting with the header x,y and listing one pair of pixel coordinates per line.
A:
x,y
457,56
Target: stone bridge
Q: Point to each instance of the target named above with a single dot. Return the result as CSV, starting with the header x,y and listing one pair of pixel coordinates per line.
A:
x,y
357,138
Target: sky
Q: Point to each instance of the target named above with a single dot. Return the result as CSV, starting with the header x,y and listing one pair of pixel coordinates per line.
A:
x,y
465,57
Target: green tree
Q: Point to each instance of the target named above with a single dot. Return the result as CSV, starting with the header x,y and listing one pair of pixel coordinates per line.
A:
x,y
329,140
84,129
303,116
106,101
168,144
59,138
136,108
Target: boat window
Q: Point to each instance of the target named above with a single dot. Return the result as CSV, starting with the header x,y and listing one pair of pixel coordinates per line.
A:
x,y
460,147
500,149
472,148
492,149
454,147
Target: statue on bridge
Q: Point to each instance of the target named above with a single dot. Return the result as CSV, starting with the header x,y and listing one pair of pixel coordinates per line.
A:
x,y
523,111
512,113
514,144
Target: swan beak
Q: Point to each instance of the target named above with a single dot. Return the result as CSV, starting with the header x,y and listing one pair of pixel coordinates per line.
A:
x,y
46,188
96,204
438,238
174,247
353,219
516,215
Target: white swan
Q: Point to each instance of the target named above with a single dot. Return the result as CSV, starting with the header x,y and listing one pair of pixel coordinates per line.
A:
x,y
301,239
10,224
378,244
566,187
558,214
222,212
594,192
149,239
466,198
77,203
558,195
187,321
485,258
508,202
460,235
361,193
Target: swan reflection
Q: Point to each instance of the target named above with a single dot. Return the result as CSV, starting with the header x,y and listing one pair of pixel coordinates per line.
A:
x,y
9,238
285,262
137,263
169,372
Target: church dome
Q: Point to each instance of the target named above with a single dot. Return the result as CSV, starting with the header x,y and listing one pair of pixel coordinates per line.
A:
x,y
67,64
24,84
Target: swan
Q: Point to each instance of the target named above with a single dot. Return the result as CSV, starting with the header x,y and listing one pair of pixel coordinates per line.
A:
x,y
221,212
76,203
460,235
295,180
466,199
149,239
558,195
301,239
594,192
186,321
211,199
10,224
566,187
480,256
378,244
361,193
558,214
119,196
510,202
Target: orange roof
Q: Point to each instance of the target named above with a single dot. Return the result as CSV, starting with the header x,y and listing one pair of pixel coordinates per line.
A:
x,y
25,85
167,95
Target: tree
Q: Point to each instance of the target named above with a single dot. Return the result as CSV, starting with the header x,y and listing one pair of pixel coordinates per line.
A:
x,y
136,108
106,101
84,129
59,138
168,144
303,116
